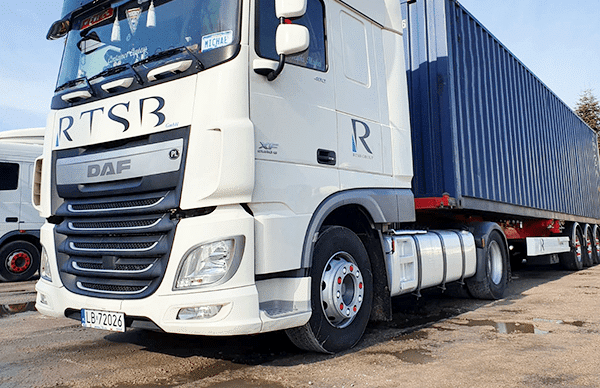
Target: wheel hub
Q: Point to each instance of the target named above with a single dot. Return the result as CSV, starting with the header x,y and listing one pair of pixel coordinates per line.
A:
x,y
342,290
18,262
494,262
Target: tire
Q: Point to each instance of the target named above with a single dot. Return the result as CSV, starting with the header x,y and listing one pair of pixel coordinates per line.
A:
x,y
495,280
588,248
341,294
19,261
596,244
573,260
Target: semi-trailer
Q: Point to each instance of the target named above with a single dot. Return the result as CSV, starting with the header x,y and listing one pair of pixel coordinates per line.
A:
x,y
244,166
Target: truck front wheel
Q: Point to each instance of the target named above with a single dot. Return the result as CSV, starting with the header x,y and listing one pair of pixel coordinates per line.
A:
x,y
341,293
19,261
492,284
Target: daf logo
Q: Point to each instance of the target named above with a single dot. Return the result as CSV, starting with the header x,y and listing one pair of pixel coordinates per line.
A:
x,y
174,154
108,168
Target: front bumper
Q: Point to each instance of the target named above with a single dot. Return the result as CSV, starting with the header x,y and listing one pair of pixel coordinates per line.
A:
x,y
238,296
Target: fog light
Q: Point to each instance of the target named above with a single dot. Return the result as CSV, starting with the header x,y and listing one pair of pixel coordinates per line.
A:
x,y
202,312
45,272
44,299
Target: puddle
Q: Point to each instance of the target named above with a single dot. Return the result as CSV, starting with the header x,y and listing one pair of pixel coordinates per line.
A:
x,y
12,309
412,356
504,327
416,356
238,383
560,322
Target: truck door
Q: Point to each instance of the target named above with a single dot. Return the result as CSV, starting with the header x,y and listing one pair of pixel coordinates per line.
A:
x,y
294,115
10,197
360,98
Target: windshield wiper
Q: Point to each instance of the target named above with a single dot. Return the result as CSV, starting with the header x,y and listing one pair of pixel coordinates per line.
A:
x,y
72,83
117,70
169,53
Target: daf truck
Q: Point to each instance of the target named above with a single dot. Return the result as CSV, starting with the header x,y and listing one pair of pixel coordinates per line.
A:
x,y
243,166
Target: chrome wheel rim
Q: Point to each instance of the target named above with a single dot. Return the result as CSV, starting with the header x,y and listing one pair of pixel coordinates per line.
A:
x,y
494,262
342,290
578,250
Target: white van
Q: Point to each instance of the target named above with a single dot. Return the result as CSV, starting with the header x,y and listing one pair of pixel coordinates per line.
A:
x,y
19,222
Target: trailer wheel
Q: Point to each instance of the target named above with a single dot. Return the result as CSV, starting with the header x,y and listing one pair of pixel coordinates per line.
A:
x,y
20,260
588,249
341,293
494,281
573,260
596,244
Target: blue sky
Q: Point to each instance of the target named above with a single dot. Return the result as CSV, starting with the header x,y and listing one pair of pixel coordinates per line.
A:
x,y
558,40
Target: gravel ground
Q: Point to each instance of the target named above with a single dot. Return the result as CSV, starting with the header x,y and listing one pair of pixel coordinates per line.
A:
x,y
545,333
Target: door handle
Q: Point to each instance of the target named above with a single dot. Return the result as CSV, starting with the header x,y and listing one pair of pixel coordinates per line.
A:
x,y
326,157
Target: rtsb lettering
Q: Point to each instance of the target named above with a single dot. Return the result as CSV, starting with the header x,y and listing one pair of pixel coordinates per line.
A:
x,y
150,113
95,170
156,112
121,120
69,125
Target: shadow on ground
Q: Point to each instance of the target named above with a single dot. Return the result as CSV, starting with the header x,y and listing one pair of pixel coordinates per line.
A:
x,y
409,315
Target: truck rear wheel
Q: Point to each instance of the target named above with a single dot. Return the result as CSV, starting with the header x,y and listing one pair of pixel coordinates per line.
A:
x,y
573,260
20,260
341,293
493,282
596,243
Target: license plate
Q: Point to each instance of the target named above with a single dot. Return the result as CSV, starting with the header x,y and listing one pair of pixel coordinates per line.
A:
x,y
104,320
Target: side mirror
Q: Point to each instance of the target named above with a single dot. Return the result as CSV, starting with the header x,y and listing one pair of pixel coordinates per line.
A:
x,y
89,43
291,39
59,29
290,8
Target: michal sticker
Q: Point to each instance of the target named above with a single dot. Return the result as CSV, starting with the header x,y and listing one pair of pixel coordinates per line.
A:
x,y
98,18
133,17
216,40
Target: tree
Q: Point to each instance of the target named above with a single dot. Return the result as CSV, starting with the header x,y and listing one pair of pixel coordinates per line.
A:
x,y
588,108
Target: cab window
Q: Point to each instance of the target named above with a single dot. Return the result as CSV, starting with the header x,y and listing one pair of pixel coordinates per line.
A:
x,y
9,176
314,19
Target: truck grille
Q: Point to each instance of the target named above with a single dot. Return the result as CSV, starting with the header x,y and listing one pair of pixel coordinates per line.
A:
x,y
121,205
114,238
107,251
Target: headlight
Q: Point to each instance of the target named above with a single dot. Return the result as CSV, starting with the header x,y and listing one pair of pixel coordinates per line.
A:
x,y
209,263
45,272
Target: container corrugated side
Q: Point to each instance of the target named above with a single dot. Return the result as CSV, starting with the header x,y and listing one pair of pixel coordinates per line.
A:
x,y
485,129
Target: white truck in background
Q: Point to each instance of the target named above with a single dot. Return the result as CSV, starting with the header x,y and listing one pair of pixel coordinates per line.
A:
x,y
20,222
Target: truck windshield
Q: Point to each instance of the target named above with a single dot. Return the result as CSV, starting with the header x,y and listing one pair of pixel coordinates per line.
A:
x,y
125,33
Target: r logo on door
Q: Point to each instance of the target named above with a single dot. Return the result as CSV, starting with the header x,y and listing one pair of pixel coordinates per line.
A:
x,y
366,133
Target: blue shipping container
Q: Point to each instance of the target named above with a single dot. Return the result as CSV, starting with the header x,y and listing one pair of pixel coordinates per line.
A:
x,y
485,129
